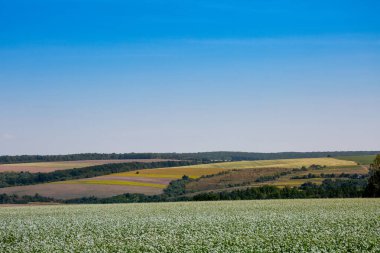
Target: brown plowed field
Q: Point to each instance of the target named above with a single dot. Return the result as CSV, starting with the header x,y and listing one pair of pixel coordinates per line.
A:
x,y
221,181
70,191
53,166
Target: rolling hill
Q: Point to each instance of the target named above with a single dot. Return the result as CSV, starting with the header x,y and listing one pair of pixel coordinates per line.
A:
x,y
153,181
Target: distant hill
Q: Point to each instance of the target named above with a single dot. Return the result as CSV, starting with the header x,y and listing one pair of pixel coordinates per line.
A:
x,y
153,179
210,156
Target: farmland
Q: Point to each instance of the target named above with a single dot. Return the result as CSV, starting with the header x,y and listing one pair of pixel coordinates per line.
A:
x,y
53,166
329,225
195,171
70,191
251,177
362,160
153,181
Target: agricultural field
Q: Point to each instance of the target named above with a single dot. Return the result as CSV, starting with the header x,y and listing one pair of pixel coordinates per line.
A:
x,y
248,178
232,178
361,160
53,166
328,225
288,181
71,191
153,181
196,171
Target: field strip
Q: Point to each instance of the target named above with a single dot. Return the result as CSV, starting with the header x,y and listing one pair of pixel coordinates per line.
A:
x,y
113,182
362,160
63,165
196,171
149,175
286,163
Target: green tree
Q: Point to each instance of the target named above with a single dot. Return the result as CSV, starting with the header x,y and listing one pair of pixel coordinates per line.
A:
x,y
373,187
376,163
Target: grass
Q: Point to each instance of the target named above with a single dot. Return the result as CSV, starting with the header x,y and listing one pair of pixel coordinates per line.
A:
x,y
362,160
113,182
318,225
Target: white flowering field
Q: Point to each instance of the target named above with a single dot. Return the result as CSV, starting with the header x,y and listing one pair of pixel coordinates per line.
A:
x,y
344,225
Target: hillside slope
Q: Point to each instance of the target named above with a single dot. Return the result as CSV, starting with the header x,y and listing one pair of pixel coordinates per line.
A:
x,y
153,181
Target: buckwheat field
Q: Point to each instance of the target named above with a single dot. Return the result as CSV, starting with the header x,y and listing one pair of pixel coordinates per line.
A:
x,y
334,225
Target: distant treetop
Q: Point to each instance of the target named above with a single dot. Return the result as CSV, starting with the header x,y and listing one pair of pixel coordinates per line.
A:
x,y
205,156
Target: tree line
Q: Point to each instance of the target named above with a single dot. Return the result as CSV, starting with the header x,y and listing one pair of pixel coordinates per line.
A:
x,y
210,156
328,189
373,187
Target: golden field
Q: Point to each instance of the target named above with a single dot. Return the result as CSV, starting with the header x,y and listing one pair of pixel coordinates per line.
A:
x,y
196,171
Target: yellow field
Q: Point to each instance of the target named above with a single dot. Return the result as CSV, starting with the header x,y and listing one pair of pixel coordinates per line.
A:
x,y
113,182
196,171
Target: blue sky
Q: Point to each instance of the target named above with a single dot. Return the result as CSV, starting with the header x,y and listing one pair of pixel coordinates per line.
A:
x,y
182,76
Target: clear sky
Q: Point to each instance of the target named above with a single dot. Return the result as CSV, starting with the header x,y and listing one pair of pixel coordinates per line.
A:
x,y
189,75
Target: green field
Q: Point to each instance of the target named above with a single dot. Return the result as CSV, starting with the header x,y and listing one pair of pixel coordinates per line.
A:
x,y
362,160
328,225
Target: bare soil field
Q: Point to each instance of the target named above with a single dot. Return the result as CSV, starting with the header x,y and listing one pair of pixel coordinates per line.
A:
x,y
132,179
31,204
247,176
53,166
70,191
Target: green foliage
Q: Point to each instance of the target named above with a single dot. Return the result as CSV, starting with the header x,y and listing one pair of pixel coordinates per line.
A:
x,y
267,178
328,189
124,198
376,163
177,187
342,175
373,187
14,199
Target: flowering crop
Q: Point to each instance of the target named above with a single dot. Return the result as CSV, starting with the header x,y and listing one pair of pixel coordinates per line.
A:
x,y
328,225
